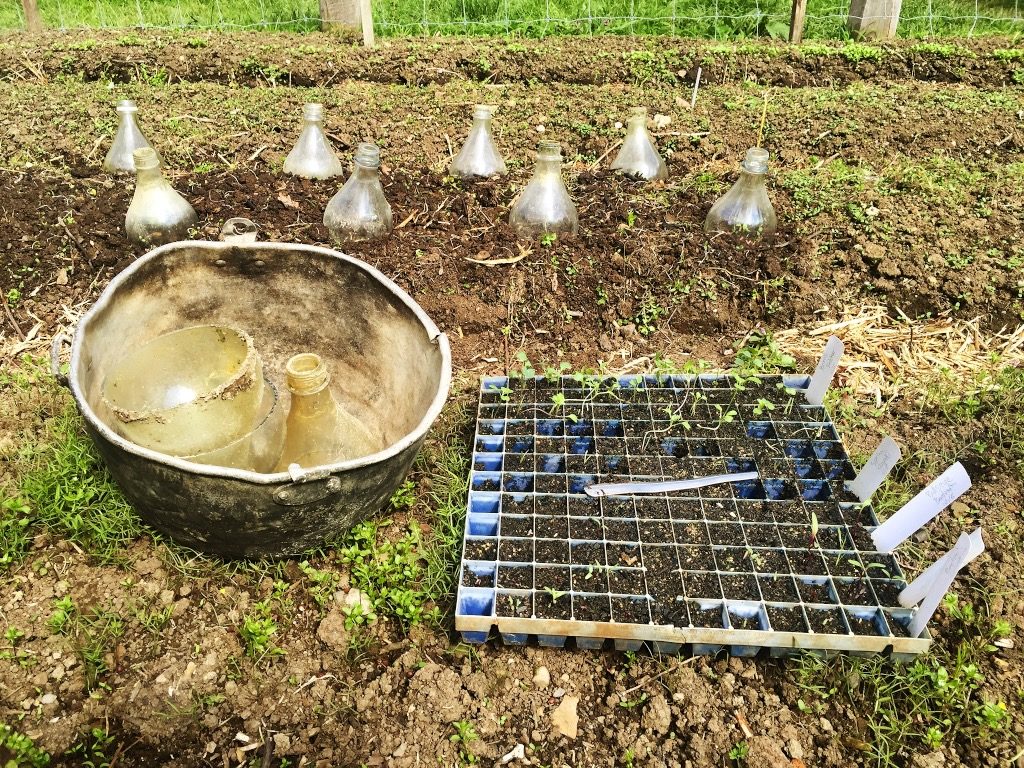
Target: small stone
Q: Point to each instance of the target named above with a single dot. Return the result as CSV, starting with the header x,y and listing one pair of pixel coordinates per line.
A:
x,y
795,750
62,277
541,678
47,698
400,751
558,693
1004,642
518,753
564,718
282,743
540,129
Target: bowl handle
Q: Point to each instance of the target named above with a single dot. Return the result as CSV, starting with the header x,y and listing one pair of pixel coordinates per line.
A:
x,y
239,231
60,341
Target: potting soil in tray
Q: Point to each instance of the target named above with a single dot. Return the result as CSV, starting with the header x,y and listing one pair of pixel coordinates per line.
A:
x,y
785,562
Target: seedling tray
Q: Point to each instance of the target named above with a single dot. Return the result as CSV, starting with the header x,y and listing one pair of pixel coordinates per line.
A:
x,y
737,566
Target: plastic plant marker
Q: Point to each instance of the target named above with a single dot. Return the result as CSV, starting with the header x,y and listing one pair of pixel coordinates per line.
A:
x,y
925,584
822,377
948,566
939,494
626,489
877,468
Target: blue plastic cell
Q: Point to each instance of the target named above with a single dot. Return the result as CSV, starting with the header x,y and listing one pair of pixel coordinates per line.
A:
x,y
476,602
578,483
518,483
814,490
553,462
550,427
520,445
489,444
749,489
581,445
799,449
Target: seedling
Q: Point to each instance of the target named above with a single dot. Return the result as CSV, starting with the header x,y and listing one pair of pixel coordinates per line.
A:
x,y
554,594
763,406
465,734
814,530
738,754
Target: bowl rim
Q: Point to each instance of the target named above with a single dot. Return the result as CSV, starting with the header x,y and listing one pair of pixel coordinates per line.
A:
x,y
303,474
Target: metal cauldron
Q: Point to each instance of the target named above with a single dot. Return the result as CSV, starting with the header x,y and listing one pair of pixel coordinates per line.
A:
x,y
390,364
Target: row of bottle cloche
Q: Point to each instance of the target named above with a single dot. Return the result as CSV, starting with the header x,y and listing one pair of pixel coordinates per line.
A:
x,y
360,211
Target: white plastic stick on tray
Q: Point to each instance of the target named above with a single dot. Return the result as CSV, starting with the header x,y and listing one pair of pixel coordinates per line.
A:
x,y
939,494
826,370
876,470
933,584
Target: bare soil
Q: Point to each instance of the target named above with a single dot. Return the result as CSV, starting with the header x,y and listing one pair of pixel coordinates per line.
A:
x,y
926,222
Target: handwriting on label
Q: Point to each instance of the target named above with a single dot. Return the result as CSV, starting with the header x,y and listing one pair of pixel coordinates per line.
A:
x,y
877,468
919,510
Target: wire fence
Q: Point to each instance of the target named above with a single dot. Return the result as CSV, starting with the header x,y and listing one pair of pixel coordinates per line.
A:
x,y
714,19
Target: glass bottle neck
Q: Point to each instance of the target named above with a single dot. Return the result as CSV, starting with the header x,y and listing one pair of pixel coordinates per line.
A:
x,y
149,176
548,166
750,179
366,172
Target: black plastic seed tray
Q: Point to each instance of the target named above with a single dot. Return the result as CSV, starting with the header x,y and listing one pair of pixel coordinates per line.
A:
x,y
738,566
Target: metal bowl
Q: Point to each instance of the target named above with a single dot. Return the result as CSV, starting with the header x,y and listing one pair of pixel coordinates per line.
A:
x,y
391,365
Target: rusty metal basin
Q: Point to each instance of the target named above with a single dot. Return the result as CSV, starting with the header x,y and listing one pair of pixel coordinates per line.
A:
x,y
390,365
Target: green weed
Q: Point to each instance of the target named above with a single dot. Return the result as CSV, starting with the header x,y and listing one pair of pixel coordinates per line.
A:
x,y
257,632
18,750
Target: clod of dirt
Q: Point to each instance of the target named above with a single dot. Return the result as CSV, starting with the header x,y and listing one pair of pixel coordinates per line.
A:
x,y
542,678
332,632
765,752
564,718
658,715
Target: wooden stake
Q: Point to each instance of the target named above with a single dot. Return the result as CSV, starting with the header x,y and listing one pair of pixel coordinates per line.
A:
x,y
366,18
33,22
796,22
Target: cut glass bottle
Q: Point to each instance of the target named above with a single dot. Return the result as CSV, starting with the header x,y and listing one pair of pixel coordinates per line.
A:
x,y
544,206
319,430
479,156
745,209
127,139
359,211
639,157
157,214
312,156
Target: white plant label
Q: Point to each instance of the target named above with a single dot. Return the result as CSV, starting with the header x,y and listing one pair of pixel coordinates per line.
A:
x,y
921,587
941,578
826,370
940,493
876,470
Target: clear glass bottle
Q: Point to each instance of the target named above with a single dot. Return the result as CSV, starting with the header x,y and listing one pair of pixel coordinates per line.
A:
x,y
745,209
639,157
127,139
312,156
360,211
479,156
157,214
318,429
544,206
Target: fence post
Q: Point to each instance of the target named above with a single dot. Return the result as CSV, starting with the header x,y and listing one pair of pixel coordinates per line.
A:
x,y
874,19
33,23
796,21
339,13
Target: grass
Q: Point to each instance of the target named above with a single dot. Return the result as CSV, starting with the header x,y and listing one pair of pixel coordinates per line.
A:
x,y
724,19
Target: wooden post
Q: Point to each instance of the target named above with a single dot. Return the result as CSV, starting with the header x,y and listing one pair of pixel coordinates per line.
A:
x,y
796,22
366,17
874,19
33,23
339,13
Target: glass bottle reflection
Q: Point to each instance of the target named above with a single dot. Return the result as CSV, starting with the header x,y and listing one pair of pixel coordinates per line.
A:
x,y
479,155
318,429
157,214
128,138
745,209
312,156
639,157
359,211
544,206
